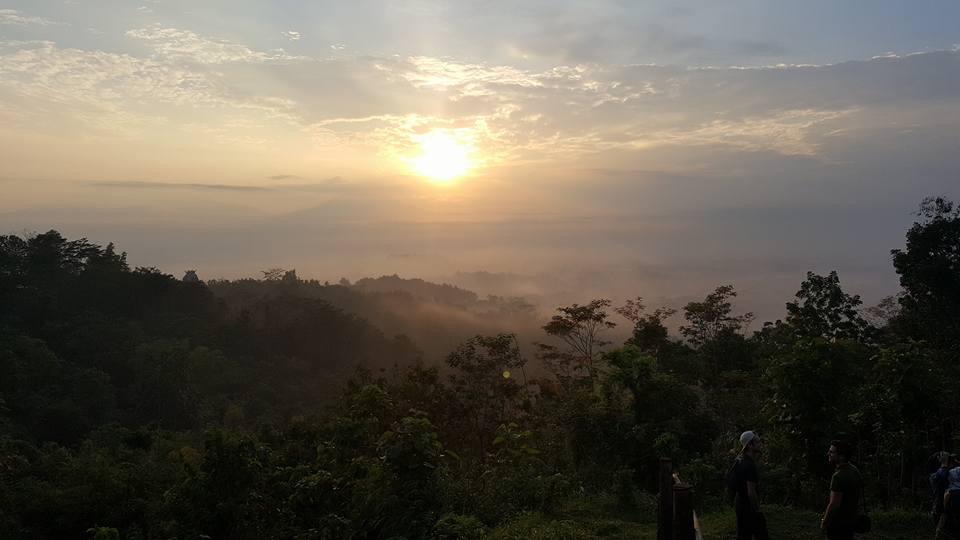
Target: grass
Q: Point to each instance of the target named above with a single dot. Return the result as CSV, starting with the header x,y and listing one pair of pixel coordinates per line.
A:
x,y
593,519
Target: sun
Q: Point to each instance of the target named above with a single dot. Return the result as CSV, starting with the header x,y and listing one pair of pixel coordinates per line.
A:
x,y
443,157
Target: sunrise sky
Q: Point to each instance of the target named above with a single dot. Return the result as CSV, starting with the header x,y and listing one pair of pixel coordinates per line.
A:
x,y
611,148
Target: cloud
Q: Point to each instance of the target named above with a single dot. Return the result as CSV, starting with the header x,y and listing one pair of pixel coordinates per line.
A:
x,y
467,79
185,45
17,18
329,184
292,35
644,116
669,178
177,186
113,95
42,70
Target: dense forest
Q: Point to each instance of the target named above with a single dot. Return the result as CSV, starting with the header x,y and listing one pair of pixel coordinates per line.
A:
x,y
136,405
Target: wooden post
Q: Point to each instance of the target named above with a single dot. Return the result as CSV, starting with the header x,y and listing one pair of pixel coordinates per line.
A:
x,y
683,528
665,515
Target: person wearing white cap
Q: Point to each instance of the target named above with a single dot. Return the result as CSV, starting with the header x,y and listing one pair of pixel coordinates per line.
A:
x,y
751,523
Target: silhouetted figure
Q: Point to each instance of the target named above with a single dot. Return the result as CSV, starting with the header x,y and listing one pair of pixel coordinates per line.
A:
x,y
191,277
846,488
939,482
949,526
751,523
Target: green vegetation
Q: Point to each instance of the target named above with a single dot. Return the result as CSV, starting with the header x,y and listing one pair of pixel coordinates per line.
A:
x,y
134,405
784,522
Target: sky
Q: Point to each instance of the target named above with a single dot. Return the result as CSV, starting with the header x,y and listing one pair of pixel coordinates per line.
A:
x,y
611,148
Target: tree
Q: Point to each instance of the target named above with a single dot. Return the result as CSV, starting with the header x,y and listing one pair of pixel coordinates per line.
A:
x,y
580,328
485,383
709,319
274,274
668,417
814,391
884,313
822,309
929,271
649,333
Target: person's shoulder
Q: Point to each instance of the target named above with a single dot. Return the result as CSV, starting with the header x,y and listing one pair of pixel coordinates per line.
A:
x,y
847,475
843,476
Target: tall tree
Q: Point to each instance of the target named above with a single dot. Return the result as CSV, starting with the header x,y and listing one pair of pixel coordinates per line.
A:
x,y
485,384
650,335
580,328
929,271
707,320
822,309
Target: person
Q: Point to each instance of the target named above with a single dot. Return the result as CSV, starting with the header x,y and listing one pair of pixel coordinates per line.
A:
x,y
846,488
948,527
939,482
751,523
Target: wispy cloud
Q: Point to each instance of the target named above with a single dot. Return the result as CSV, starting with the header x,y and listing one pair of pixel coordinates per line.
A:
x,y
17,18
292,35
334,183
177,186
234,94
179,44
471,79
119,95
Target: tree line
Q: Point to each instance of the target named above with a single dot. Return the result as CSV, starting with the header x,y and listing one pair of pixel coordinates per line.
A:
x,y
138,405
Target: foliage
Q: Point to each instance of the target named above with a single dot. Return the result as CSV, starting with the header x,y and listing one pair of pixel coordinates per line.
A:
x,y
710,319
134,405
580,328
822,309
929,270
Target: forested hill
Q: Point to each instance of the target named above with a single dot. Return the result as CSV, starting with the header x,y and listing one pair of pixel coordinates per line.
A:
x,y
136,405
86,341
435,317
443,293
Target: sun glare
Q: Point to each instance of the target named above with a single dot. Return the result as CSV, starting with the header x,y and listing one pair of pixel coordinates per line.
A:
x,y
442,157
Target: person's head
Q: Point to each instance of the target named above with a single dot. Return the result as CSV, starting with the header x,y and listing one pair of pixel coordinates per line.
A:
x,y
750,443
839,452
947,460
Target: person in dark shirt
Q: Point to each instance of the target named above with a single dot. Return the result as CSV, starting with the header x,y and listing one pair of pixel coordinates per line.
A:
x,y
846,487
938,483
751,523
949,525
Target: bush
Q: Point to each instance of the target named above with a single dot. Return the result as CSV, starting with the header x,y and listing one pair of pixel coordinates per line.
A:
x,y
458,527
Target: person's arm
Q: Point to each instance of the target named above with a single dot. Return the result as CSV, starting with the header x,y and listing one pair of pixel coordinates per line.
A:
x,y
836,497
753,496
